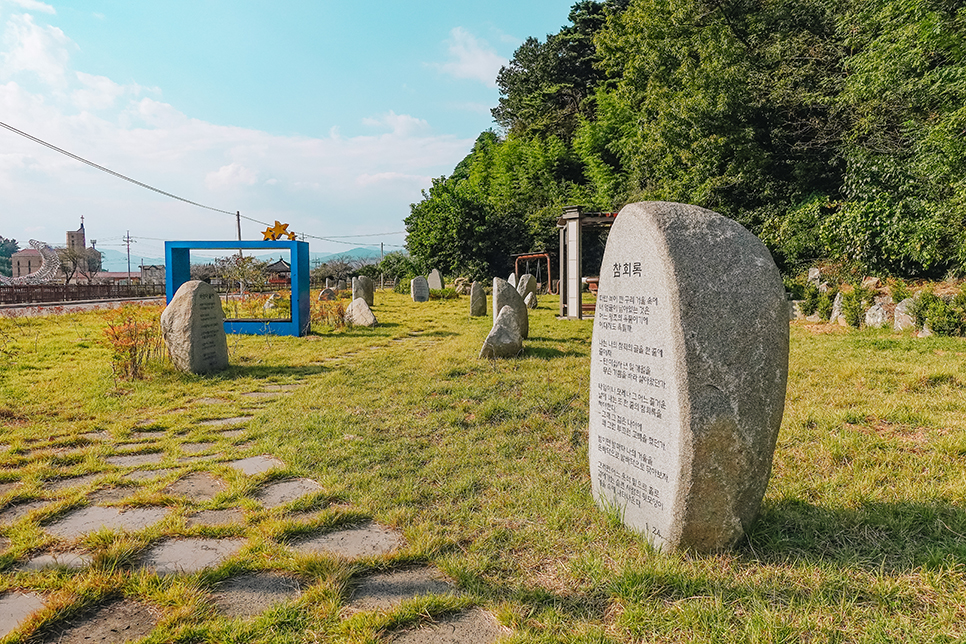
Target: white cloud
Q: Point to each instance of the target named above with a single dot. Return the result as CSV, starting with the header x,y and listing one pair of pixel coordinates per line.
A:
x,y
33,48
385,177
34,5
233,174
473,58
98,92
399,124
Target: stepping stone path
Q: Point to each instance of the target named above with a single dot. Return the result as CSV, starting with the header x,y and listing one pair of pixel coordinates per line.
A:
x,y
242,595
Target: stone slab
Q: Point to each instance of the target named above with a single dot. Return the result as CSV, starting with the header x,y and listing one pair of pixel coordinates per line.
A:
x,y
233,433
275,387
419,289
472,627
249,595
210,518
116,623
145,475
15,607
369,540
435,280
506,295
196,448
260,394
55,485
68,560
188,556
209,401
130,460
219,422
386,590
194,331
256,464
477,300
688,373
13,513
11,486
197,487
111,495
275,494
92,518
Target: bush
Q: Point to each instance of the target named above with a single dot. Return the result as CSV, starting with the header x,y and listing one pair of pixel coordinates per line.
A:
x,y
810,299
403,287
133,334
443,294
330,313
825,302
899,291
853,308
943,317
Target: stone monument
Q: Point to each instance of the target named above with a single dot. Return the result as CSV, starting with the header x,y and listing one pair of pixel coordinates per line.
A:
x,y
363,287
358,313
419,289
688,373
435,280
193,326
504,340
526,285
504,294
477,300
340,285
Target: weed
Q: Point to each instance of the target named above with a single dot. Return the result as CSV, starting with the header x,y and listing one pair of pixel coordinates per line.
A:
x,y
134,336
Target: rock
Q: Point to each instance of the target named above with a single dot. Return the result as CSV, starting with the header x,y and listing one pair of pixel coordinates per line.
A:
x,y
341,285
815,276
358,313
876,316
327,295
836,316
477,300
925,332
271,302
823,287
882,299
512,280
688,374
526,284
506,295
363,287
193,326
871,282
531,300
435,280
902,318
461,285
419,289
504,340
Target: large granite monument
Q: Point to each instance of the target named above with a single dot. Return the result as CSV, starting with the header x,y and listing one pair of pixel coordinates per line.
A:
x,y
419,289
688,375
193,326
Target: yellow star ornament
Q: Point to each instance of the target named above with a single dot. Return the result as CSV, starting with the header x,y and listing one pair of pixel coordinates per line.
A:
x,y
273,233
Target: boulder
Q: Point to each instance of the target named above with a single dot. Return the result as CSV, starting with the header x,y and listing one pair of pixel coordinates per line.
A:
x,y
363,287
504,340
358,313
836,316
477,300
876,316
530,300
506,295
871,282
341,285
193,327
902,317
326,295
512,280
526,284
461,285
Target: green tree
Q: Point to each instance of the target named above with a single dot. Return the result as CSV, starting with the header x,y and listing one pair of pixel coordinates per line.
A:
x,y
7,248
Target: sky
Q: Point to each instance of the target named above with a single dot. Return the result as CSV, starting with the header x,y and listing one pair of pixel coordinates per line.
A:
x,y
331,117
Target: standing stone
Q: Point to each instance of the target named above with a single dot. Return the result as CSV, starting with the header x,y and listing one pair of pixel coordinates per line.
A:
x,y
329,282
876,316
688,373
531,300
363,287
326,295
193,326
435,280
836,310
902,317
419,288
815,276
358,313
512,280
506,295
526,284
341,285
477,300
504,340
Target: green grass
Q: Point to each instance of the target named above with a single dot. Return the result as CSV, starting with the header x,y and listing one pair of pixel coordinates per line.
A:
x,y
483,467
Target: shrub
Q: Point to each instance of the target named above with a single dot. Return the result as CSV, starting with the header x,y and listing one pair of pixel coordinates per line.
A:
x,y
795,287
899,291
853,309
330,313
825,302
403,286
810,299
443,294
133,334
943,317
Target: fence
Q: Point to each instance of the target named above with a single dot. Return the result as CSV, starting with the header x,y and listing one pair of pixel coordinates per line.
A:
x,y
75,292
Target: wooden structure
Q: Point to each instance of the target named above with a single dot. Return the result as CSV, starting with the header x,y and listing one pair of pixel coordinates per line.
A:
x,y
571,225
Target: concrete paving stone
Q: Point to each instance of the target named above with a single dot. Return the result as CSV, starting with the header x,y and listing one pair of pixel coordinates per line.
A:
x,y
111,495
188,556
69,560
148,435
144,475
472,627
260,394
233,433
85,520
135,459
249,595
200,459
210,518
116,623
96,436
386,590
281,387
367,540
13,513
123,447
4,544
54,485
196,448
199,486
209,401
219,422
282,492
15,607
256,464
145,422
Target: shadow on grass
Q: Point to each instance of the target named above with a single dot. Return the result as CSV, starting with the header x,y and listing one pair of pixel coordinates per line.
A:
x,y
259,372
892,537
549,353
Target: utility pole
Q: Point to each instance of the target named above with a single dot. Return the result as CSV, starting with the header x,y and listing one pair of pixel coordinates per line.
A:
x,y
127,240
238,224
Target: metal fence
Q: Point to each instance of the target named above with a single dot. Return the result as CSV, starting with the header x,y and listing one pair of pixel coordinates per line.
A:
x,y
75,292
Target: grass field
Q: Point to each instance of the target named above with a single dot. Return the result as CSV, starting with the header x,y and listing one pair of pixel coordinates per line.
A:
x,y
483,467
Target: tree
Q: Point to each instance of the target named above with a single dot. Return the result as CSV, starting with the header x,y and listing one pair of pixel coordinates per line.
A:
x,y
90,264
397,265
247,271
7,248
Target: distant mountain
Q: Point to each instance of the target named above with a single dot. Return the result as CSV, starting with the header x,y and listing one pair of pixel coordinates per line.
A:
x,y
116,261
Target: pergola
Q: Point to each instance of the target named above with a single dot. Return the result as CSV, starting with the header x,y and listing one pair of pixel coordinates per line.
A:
x,y
571,225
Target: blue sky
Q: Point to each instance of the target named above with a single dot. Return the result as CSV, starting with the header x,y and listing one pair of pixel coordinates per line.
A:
x,y
330,116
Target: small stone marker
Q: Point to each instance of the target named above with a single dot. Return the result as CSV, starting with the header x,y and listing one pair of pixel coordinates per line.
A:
x,y
688,375
330,283
359,314
526,285
512,280
363,287
419,288
504,340
341,285
504,294
902,316
435,280
326,295
193,325
477,300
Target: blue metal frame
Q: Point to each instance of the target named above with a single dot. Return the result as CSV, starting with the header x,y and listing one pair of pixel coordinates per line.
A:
x,y
177,261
